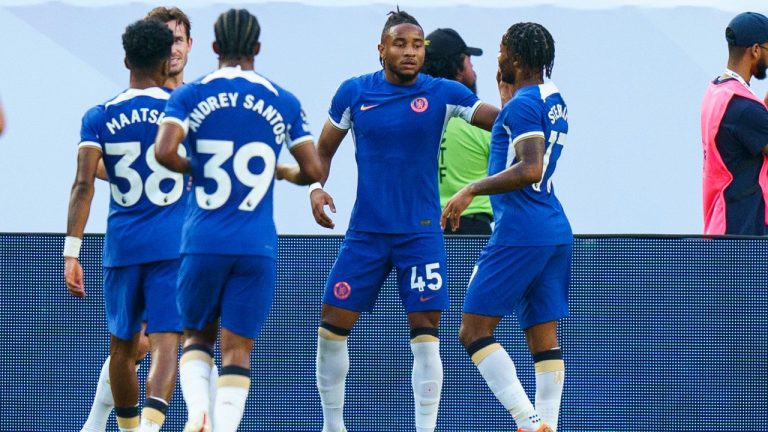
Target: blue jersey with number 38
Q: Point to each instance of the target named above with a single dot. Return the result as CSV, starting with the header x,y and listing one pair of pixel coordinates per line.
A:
x,y
531,216
146,206
236,123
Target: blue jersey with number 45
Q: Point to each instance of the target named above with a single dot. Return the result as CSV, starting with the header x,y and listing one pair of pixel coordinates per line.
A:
x,y
146,210
531,216
397,131
236,122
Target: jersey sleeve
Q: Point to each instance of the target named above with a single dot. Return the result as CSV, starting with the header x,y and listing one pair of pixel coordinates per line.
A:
x,y
179,107
752,130
89,129
340,113
461,101
298,128
523,120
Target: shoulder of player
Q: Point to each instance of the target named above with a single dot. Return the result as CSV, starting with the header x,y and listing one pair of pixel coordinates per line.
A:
x,y
94,113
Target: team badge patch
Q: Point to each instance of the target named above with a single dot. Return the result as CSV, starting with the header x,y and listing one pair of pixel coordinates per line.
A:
x,y
342,290
419,104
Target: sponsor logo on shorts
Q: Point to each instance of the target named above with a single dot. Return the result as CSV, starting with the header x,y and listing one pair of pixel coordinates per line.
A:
x,y
425,298
342,290
419,104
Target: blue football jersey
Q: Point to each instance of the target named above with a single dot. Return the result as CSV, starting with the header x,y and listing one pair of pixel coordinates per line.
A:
x,y
146,209
236,123
397,132
531,216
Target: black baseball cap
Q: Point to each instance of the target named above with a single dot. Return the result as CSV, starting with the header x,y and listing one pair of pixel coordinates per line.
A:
x,y
747,29
446,42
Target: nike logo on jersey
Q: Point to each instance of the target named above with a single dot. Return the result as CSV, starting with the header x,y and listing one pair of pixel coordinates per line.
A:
x,y
367,107
425,298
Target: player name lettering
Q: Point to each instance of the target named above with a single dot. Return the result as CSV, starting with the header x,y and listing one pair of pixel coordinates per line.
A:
x,y
141,115
558,112
209,105
269,113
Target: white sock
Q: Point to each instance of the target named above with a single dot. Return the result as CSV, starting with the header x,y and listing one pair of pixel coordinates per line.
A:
x,y
103,403
499,372
427,381
332,366
230,402
194,375
148,426
214,383
153,414
550,377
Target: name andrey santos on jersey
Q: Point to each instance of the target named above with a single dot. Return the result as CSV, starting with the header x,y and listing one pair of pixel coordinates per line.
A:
x,y
249,102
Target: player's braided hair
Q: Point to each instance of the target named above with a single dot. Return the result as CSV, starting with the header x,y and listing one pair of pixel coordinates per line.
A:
x,y
147,43
237,33
168,14
443,67
533,43
398,17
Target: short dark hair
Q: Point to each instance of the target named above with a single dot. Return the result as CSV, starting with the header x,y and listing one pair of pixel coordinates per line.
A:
x,y
237,33
533,43
147,43
168,14
444,67
398,17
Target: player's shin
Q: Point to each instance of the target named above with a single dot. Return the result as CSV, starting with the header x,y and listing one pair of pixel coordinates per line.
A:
x,y
550,376
194,374
231,394
500,373
426,377
332,366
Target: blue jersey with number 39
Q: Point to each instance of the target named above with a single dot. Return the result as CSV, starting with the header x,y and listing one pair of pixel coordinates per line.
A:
x,y
146,206
237,122
531,216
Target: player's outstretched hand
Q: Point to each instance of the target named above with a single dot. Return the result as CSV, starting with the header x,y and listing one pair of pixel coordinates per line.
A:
x,y
455,207
319,199
73,276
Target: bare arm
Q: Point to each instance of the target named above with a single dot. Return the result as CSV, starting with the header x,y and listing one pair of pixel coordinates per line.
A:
x,y
527,171
169,136
307,171
101,171
329,141
485,116
79,207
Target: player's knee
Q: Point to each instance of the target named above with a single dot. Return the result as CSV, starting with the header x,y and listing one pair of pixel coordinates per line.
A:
x,y
469,335
333,333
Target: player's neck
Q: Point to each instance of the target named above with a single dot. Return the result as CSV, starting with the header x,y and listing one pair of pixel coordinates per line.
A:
x,y
521,82
141,82
392,78
744,69
174,81
244,64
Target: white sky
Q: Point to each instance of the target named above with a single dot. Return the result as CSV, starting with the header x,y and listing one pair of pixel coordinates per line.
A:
x,y
728,5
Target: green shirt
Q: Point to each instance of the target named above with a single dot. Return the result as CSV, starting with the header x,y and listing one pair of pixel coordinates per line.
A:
x,y
463,159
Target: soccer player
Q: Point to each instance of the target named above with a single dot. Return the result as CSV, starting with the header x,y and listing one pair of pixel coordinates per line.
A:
x,y
142,240
236,122
397,117
179,24
734,132
525,268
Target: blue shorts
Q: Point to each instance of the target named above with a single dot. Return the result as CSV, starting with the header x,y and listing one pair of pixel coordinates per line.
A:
x,y
365,259
142,292
236,288
530,281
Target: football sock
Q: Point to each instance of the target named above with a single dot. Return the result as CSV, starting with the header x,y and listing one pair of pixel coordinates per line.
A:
x,y
153,414
103,403
550,376
127,419
332,366
194,375
214,383
426,377
231,394
499,372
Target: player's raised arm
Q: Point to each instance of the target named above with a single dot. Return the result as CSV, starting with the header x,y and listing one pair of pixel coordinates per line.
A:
x,y
485,116
80,199
169,136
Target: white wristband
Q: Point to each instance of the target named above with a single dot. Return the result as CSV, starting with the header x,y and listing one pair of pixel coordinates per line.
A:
x,y
314,186
72,247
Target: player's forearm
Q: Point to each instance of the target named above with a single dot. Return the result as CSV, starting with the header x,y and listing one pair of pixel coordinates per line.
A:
x,y
173,161
79,208
515,177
